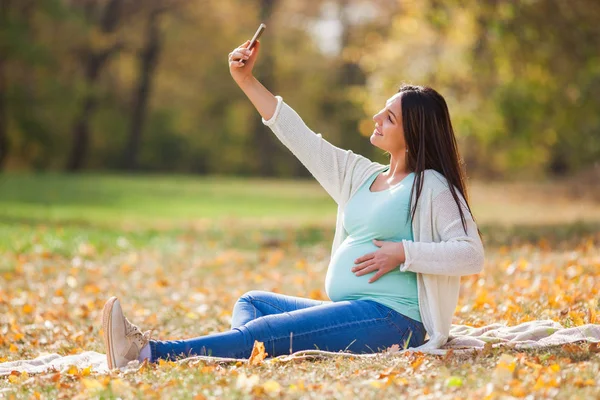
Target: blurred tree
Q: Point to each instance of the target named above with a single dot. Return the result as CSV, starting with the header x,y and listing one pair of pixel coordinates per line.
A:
x,y
152,84
104,44
351,78
264,143
148,58
518,78
553,73
4,5
25,129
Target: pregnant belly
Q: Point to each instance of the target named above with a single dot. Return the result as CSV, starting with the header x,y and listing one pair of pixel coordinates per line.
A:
x,y
342,284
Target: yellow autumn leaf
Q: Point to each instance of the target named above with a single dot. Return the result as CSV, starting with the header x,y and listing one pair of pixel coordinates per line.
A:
x,y
18,377
517,389
376,384
164,363
577,317
92,384
506,361
401,381
73,370
271,386
258,353
417,362
505,368
592,318
120,387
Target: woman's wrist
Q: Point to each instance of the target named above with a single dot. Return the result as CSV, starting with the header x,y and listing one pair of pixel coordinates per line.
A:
x,y
400,253
247,80
263,100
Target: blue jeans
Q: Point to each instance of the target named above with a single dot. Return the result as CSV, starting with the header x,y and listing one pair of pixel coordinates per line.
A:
x,y
286,324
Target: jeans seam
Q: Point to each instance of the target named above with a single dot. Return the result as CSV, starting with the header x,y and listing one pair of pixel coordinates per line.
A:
x,y
413,323
329,328
410,323
266,302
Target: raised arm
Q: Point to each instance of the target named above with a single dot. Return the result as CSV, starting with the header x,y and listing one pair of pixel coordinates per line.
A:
x,y
241,72
327,163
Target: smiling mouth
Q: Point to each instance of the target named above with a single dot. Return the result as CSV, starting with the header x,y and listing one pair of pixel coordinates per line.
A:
x,y
377,133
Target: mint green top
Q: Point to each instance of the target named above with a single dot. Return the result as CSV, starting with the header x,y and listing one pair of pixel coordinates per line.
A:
x,y
381,215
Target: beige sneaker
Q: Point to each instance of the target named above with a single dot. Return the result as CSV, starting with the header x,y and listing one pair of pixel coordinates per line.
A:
x,y
123,340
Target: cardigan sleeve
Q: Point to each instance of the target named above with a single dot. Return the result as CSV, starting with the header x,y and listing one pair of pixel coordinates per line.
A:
x,y
326,162
457,253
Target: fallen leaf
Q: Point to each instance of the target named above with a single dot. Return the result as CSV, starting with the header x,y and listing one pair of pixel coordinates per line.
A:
x,y
258,353
454,381
271,387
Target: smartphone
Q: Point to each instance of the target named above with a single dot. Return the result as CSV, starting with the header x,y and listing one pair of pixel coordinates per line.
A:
x,y
257,34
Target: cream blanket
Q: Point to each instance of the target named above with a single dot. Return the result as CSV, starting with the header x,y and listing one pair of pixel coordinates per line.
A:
x,y
463,338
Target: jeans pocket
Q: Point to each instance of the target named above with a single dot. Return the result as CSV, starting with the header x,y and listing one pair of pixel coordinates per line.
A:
x,y
419,331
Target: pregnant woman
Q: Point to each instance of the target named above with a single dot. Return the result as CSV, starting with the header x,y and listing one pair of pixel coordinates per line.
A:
x,y
404,236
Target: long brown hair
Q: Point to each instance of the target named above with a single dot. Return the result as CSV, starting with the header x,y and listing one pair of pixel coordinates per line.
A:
x,y
431,142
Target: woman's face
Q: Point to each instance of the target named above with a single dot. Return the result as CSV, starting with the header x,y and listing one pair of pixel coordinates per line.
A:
x,y
389,134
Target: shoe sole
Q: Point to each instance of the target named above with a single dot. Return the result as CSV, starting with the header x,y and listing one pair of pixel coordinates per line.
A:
x,y
107,328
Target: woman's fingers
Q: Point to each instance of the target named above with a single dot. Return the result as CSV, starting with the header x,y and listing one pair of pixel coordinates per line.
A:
x,y
239,54
240,57
364,258
240,51
366,270
362,267
378,275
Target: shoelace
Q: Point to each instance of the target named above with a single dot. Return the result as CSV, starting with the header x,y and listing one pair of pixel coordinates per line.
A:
x,y
134,332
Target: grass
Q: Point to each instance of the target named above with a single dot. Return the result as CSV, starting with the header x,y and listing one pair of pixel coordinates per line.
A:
x,y
156,200
180,250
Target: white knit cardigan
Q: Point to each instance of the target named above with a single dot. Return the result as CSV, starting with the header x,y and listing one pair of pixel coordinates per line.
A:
x,y
441,251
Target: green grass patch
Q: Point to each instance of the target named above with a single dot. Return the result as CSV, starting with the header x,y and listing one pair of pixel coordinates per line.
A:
x,y
149,200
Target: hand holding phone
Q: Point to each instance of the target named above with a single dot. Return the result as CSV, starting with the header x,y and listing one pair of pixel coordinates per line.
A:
x,y
257,34
248,51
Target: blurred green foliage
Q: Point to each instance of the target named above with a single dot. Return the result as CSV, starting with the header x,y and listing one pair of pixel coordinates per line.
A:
x,y
521,80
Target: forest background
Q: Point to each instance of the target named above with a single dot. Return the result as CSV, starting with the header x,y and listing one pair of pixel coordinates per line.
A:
x,y
131,164
123,85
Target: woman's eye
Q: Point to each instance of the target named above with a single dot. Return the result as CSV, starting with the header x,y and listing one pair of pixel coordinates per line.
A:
x,y
390,118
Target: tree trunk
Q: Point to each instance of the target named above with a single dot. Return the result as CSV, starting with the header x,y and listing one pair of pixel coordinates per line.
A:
x,y
148,62
3,116
94,63
81,134
350,75
4,5
264,143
